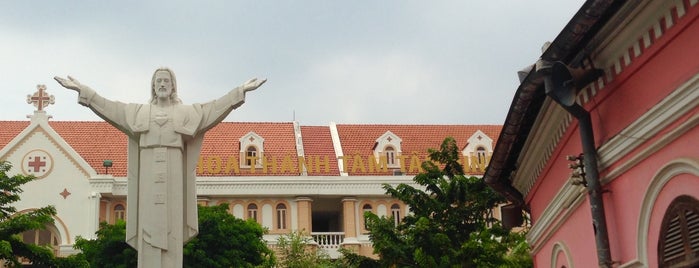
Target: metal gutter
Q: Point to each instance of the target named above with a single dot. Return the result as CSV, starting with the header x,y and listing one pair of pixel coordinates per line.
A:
x,y
530,95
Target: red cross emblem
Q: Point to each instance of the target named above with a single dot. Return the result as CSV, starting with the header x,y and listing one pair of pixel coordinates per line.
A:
x,y
40,99
38,163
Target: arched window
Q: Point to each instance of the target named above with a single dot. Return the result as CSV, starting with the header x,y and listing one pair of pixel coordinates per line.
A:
x,y
678,245
119,212
390,155
250,156
366,208
46,237
252,212
281,217
395,212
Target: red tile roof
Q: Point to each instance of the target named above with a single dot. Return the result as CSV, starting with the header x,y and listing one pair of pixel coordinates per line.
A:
x,y
98,141
95,142
318,143
10,129
224,141
416,139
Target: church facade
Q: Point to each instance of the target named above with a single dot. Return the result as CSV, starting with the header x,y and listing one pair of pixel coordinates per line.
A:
x,y
286,176
617,91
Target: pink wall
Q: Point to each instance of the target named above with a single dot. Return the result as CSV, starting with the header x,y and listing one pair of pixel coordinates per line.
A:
x,y
670,62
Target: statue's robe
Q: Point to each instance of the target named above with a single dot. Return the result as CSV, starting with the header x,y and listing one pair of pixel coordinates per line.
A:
x,y
163,151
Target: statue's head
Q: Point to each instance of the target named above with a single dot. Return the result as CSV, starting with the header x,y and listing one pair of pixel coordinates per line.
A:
x,y
164,83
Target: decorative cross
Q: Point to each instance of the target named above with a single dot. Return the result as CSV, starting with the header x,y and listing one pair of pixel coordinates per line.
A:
x,y
40,99
65,193
37,164
389,139
252,139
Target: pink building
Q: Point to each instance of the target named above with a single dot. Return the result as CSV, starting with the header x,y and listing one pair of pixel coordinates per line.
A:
x,y
632,112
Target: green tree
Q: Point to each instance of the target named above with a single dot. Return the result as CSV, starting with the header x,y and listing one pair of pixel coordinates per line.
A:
x,y
226,241
109,250
223,241
450,224
12,225
295,252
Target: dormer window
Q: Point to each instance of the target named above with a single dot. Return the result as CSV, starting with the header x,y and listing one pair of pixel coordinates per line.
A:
x,y
251,150
387,150
477,152
390,155
250,155
481,155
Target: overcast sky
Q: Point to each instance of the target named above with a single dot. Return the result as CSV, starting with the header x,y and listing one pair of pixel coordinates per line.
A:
x,y
358,62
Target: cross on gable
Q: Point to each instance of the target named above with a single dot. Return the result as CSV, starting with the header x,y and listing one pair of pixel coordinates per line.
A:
x,y
40,99
252,139
37,164
389,139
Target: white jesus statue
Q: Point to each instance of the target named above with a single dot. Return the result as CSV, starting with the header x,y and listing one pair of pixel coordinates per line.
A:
x,y
165,138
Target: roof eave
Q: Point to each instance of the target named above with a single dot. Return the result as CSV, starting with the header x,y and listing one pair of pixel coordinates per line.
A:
x,y
569,47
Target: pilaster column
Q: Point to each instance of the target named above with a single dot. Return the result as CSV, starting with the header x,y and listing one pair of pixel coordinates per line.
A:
x,y
304,216
349,216
93,214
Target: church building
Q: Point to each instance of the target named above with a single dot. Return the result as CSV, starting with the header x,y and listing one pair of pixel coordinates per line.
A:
x,y
601,145
286,176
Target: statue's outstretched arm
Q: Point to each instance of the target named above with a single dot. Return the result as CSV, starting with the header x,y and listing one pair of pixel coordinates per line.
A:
x,y
252,84
70,83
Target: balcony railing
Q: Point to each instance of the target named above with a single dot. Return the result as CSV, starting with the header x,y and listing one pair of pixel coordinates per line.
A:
x,y
329,242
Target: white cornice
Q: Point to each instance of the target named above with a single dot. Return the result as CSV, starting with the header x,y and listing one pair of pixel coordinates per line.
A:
x,y
675,105
540,145
277,186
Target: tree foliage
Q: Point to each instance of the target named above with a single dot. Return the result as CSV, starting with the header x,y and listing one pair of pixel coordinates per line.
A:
x,y
226,241
294,252
450,224
12,225
109,250
223,241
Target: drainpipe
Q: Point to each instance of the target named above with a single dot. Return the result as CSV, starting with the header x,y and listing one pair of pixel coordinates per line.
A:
x,y
561,84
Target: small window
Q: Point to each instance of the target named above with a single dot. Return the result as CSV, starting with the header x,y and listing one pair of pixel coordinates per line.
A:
x,y
481,156
251,156
390,155
119,212
281,217
395,212
679,234
366,208
252,212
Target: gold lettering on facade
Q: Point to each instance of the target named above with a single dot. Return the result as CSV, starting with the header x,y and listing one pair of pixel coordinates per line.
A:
x,y
403,159
232,165
286,165
381,166
269,164
358,164
415,163
370,164
344,163
214,166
